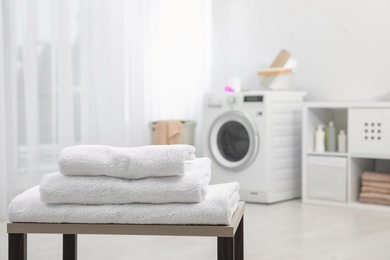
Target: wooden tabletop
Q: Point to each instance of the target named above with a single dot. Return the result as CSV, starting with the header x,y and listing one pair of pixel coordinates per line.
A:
x,y
127,229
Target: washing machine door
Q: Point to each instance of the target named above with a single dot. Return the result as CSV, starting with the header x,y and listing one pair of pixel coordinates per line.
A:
x,y
234,140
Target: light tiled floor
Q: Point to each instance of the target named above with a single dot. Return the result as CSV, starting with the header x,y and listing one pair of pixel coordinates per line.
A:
x,y
287,230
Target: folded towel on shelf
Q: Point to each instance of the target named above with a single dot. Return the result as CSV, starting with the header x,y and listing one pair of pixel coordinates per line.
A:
x,y
376,184
217,209
375,196
376,176
375,190
190,188
129,163
375,201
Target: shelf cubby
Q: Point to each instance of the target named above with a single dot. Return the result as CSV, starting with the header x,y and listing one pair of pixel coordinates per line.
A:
x,y
345,116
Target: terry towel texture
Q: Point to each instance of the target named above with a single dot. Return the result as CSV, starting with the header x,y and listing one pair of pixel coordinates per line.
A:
x,y
218,208
190,188
128,163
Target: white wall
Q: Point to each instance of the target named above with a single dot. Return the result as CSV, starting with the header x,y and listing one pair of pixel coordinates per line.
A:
x,y
342,46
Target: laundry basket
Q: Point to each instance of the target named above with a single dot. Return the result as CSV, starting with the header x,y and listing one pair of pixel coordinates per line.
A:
x,y
187,136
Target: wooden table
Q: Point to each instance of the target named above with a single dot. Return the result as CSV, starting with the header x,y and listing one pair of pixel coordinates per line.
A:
x,y
230,239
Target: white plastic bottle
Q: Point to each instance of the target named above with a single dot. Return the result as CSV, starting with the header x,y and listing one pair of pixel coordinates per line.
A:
x,y
331,145
342,142
319,144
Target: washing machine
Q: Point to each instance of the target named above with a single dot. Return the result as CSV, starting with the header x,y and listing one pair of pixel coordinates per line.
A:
x,y
254,138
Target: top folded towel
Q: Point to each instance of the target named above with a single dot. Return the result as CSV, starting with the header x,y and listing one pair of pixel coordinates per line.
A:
x,y
128,163
376,176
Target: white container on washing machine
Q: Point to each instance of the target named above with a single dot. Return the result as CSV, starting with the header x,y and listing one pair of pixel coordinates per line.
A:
x,y
255,138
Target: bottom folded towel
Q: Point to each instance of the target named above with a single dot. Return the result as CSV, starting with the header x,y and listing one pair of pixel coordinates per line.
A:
x,y
375,198
217,209
375,201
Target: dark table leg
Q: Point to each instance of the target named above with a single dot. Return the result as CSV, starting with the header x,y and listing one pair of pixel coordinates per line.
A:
x,y
69,247
225,248
232,248
239,241
17,246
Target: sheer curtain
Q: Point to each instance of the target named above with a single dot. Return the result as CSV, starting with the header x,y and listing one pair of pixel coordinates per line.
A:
x,y
93,72
3,150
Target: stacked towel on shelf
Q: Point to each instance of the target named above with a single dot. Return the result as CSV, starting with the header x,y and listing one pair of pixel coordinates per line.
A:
x,y
375,188
143,185
128,163
217,209
191,187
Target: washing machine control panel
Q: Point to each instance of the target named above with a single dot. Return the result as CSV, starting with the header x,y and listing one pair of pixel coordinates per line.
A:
x,y
253,98
246,99
236,100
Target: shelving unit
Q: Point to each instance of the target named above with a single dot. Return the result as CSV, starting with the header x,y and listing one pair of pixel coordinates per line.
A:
x,y
333,178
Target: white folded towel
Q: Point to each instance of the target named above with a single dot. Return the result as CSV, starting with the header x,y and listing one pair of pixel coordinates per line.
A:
x,y
129,163
218,208
190,188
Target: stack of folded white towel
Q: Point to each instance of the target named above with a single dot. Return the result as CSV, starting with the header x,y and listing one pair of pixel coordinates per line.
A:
x,y
158,184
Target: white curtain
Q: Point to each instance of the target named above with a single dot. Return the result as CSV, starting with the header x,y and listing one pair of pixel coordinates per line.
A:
x,y
94,72
3,149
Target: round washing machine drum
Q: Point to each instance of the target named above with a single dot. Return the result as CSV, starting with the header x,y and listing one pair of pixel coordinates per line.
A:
x,y
234,140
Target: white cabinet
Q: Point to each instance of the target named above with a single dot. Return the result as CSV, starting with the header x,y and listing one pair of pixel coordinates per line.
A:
x,y
333,178
327,178
370,130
